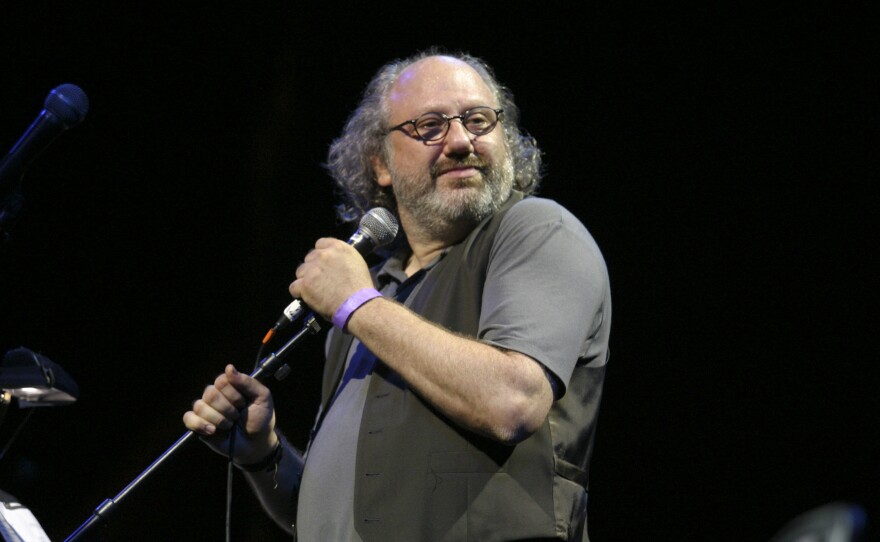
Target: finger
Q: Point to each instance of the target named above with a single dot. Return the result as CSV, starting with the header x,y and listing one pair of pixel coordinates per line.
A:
x,y
326,242
199,424
294,289
249,388
224,392
216,412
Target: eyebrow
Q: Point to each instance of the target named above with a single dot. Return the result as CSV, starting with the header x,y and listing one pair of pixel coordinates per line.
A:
x,y
435,108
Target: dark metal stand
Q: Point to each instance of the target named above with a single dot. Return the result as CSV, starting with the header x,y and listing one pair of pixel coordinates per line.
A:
x,y
269,366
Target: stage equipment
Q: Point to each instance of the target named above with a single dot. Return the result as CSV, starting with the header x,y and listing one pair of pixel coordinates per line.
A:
x,y
35,380
835,522
64,107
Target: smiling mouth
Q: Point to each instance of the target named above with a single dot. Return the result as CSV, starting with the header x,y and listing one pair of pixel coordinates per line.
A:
x,y
460,172
460,178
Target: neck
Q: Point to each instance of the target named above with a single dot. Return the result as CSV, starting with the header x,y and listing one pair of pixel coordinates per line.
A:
x,y
427,245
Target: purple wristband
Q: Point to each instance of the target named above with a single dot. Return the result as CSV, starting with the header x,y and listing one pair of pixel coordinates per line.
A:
x,y
353,303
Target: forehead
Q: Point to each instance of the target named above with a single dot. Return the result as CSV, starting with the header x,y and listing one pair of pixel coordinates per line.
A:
x,y
442,84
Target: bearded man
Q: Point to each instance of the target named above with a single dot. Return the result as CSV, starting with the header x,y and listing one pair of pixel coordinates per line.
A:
x,y
464,373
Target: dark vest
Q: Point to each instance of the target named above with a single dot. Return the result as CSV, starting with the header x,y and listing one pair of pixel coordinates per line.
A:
x,y
421,478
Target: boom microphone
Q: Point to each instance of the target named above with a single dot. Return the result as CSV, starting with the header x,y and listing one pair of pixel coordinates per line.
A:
x,y
65,107
376,229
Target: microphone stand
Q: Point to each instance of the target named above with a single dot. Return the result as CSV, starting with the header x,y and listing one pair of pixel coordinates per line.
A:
x,y
269,366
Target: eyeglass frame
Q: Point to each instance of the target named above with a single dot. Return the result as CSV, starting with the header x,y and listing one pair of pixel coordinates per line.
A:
x,y
448,120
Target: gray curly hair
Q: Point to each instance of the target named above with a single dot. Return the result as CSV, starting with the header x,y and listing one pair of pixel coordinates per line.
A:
x,y
350,159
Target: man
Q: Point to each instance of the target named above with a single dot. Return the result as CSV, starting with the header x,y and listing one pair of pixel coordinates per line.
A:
x,y
460,404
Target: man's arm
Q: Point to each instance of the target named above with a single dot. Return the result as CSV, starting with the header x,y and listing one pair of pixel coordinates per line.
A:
x,y
501,394
237,401
276,487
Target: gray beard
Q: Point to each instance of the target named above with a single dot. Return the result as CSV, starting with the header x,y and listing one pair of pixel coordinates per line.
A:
x,y
435,211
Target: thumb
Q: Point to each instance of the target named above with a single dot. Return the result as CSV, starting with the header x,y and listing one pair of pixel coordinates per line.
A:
x,y
258,418
253,391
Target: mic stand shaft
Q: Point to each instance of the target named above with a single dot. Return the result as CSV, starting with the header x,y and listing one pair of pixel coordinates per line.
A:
x,y
267,367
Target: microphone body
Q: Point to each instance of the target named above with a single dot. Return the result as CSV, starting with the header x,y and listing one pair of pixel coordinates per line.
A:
x,y
65,107
377,228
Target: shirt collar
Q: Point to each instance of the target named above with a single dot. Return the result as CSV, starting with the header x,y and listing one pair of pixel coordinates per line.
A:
x,y
393,268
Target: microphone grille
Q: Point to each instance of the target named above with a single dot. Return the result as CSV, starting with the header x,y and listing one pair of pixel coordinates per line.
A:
x,y
69,103
380,224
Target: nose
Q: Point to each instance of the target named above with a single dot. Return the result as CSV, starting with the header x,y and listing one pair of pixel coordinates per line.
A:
x,y
458,140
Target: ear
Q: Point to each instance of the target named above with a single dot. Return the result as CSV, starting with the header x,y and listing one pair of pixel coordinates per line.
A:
x,y
383,176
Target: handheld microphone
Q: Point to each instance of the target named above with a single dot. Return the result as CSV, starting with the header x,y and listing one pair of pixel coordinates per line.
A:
x,y
376,229
65,107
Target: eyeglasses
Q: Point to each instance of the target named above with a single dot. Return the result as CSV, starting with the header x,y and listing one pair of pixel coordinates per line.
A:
x,y
434,126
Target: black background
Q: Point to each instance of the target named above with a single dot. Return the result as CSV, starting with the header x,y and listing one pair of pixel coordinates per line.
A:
x,y
723,157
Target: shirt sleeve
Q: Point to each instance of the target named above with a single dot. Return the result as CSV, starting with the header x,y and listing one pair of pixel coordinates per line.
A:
x,y
546,293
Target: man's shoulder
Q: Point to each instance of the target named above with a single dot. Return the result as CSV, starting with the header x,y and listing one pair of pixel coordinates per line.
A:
x,y
530,224
534,210
538,204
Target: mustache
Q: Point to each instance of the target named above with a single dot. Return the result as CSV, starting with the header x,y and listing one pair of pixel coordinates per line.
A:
x,y
472,161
